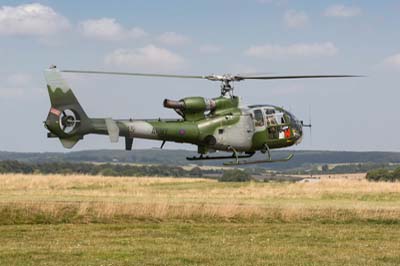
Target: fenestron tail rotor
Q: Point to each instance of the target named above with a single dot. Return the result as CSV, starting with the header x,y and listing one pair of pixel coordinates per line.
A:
x,y
225,79
68,121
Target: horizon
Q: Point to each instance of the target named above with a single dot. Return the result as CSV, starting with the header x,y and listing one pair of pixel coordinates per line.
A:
x,y
187,150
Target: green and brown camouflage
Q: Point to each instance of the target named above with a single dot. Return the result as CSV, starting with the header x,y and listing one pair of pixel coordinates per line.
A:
x,y
218,124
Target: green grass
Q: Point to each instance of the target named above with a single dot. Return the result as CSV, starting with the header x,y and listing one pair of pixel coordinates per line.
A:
x,y
195,243
83,220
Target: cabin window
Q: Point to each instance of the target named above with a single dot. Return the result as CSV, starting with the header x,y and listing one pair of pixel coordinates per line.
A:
x,y
221,131
279,117
269,111
271,120
258,117
276,119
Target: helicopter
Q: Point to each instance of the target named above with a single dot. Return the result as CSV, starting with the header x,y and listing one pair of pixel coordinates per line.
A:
x,y
218,124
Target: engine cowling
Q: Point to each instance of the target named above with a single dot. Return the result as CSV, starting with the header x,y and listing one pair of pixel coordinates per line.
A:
x,y
191,104
191,108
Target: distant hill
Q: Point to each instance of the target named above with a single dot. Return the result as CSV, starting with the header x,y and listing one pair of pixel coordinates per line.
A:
x,y
178,157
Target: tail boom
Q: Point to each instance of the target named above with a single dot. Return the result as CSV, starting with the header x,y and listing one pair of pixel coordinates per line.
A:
x,y
68,121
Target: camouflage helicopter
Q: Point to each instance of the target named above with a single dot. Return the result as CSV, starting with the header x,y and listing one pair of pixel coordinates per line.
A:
x,y
218,124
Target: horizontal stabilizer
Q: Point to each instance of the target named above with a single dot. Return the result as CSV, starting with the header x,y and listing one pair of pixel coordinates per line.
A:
x,y
113,130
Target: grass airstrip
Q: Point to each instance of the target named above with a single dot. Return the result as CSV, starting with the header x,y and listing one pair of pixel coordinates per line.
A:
x,y
93,220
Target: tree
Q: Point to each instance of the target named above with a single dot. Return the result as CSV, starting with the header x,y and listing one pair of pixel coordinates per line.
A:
x,y
196,171
235,176
379,175
396,174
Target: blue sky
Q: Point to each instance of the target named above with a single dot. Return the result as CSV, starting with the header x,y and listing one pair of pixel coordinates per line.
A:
x,y
203,37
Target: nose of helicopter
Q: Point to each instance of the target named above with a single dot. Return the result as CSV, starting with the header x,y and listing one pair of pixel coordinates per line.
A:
x,y
298,131
297,127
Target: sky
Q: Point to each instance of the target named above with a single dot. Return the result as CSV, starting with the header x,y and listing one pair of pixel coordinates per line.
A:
x,y
277,37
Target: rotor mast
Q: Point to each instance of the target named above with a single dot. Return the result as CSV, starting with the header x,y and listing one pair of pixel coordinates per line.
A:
x,y
226,88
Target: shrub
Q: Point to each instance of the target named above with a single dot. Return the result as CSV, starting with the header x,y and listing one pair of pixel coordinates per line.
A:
x,y
384,175
235,176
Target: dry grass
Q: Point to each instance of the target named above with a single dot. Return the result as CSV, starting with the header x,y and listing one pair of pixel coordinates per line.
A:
x,y
57,198
86,220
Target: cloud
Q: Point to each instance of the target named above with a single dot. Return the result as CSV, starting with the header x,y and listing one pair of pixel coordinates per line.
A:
x,y
295,19
108,29
173,39
210,49
19,79
31,20
342,11
17,85
7,93
276,2
294,50
147,58
392,61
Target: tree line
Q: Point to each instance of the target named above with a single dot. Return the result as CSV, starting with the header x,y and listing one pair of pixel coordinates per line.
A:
x,y
108,169
100,169
384,175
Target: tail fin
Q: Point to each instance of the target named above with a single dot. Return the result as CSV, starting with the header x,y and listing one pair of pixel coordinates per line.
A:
x,y
66,119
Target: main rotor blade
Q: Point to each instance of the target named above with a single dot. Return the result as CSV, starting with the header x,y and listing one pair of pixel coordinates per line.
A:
x,y
134,74
212,77
296,77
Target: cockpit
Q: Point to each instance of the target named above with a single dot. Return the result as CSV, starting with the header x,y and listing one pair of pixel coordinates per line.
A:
x,y
279,123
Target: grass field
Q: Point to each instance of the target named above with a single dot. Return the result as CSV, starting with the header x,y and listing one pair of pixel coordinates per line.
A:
x,y
84,220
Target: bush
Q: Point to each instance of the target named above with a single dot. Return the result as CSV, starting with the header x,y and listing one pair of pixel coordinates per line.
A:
x,y
384,175
396,174
325,168
235,176
109,172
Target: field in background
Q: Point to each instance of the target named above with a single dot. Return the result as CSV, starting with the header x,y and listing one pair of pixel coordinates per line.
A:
x,y
86,220
352,176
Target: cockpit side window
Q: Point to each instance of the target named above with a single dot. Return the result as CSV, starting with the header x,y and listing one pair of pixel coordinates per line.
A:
x,y
269,111
258,118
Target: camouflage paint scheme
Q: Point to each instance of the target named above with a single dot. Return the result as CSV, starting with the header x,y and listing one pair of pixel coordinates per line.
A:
x,y
211,124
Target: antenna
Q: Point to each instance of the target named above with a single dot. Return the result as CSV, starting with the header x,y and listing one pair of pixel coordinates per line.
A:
x,y
310,123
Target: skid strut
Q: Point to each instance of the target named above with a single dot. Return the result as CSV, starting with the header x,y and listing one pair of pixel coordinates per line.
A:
x,y
290,156
233,156
268,160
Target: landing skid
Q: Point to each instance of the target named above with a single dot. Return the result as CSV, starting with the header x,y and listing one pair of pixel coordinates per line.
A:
x,y
201,158
259,161
236,156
